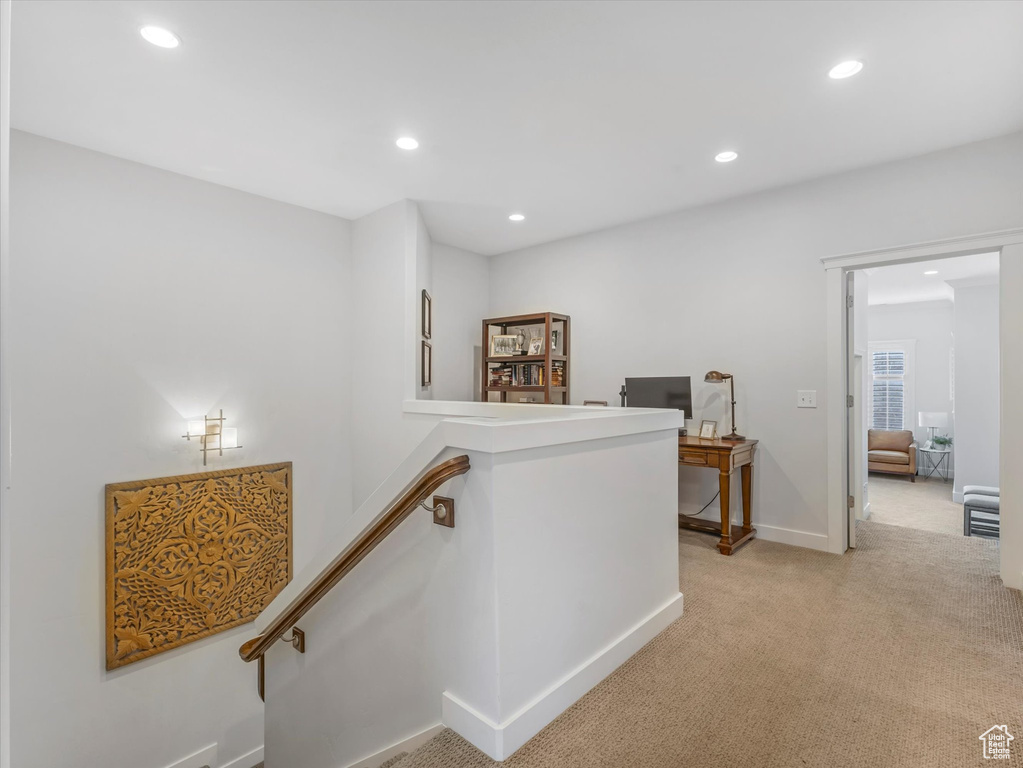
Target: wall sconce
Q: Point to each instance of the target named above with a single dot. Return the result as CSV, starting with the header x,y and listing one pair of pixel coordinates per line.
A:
x,y
212,435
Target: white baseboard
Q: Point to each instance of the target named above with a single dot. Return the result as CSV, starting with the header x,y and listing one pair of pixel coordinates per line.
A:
x,y
405,745
866,511
957,497
205,756
248,760
500,740
795,538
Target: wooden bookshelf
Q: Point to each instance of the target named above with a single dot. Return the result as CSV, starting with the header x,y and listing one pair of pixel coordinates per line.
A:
x,y
511,378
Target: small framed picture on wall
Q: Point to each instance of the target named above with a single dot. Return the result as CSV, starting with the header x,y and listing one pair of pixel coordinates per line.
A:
x,y
427,315
708,429
426,378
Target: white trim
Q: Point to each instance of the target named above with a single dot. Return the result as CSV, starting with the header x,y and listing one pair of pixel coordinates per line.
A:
x,y
248,760
500,740
866,511
203,757
932,249
957,497
405,745
5,388
836,412
804,539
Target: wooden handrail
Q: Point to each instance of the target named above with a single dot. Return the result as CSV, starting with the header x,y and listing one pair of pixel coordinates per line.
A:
x,y
353,554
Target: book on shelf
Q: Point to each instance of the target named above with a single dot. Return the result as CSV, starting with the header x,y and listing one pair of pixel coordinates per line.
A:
x,y
527,374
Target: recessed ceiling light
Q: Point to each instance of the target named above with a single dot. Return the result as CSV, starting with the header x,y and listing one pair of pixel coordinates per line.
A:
x,y
516,217
407,142
931,272
164,38
726,157
845,69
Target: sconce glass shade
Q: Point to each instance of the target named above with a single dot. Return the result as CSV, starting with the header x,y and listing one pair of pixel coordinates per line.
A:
x,y
196,427
229,437
715,377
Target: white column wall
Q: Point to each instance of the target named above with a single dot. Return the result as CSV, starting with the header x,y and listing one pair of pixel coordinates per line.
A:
x,y
977,413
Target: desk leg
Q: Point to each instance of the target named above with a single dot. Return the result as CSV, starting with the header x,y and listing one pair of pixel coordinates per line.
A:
x,y
747,497
725,485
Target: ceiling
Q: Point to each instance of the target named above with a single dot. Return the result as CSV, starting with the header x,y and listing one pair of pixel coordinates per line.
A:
x,y
581,115
907,283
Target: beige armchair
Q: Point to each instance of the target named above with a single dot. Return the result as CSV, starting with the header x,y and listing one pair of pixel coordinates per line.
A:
x,y
891,451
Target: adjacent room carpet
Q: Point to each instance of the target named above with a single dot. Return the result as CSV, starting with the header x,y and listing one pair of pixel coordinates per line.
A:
x,y
901,653
925,504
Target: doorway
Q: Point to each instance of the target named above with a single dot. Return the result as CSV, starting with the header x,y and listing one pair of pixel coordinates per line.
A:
x,y
842,512
908,322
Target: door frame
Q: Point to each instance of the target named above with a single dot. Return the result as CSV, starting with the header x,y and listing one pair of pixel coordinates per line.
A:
x,y
1009,244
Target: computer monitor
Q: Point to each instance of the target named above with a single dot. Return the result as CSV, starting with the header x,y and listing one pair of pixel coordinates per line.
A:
x,y
660,392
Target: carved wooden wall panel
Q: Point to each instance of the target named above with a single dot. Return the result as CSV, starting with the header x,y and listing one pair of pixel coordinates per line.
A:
x,y
193,555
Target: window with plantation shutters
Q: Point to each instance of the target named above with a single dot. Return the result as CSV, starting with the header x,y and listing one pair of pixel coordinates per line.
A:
x,y
888,390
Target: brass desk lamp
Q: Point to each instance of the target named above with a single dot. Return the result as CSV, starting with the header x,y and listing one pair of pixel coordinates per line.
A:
x,y
716,377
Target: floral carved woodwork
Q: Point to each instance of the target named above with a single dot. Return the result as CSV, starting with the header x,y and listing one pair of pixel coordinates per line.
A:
x,y
191,556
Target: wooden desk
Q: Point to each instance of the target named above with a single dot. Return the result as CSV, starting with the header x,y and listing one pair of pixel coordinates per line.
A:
x,y
725,457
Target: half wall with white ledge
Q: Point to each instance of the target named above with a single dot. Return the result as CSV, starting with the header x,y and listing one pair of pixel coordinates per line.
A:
x,y
563,563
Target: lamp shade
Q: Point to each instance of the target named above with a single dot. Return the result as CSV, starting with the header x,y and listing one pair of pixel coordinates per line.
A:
x,y
932,419
715,377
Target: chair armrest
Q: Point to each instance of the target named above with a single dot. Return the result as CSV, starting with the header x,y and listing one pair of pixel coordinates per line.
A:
x,y
912,457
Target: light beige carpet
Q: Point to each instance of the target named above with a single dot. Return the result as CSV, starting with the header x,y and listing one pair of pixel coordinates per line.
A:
x,y
898,654
925,504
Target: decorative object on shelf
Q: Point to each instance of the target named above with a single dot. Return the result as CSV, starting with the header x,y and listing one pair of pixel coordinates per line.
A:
x,y
427,319
504,345
716,377
426,375
212,435
193,555
538,370
555,335
933,421
708,429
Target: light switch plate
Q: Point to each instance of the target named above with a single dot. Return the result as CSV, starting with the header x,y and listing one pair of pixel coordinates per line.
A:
x,y
806,398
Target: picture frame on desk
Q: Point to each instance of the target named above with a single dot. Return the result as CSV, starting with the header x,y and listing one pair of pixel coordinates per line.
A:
x,y
708,429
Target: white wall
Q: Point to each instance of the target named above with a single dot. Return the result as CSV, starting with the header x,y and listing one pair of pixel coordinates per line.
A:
x,y
142,298
929,324
461,294
488,625
424,281
977,419
738,286
385,336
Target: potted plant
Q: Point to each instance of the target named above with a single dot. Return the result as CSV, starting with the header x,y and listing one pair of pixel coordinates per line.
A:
x,y
942,442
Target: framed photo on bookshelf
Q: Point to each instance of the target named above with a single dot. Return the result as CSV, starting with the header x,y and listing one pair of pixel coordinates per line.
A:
x,y
427,315
426,377
536,345
502,346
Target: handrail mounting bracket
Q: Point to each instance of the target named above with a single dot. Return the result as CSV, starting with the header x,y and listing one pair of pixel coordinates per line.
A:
x,y
443,511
